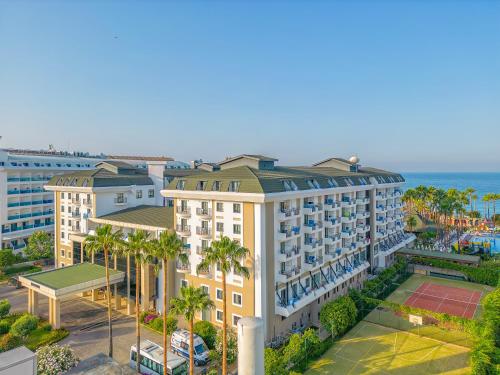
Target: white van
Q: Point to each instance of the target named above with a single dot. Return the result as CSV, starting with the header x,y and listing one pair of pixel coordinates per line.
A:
x,y
180,346
152,360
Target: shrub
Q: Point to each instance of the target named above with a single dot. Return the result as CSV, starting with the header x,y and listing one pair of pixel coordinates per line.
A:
x,y
9,341
338,316
40,246
207,332
7,258
46,327
142,316
274,363
4,327
55,359
157,325
232,347
4,308
24,325
300,348
149,318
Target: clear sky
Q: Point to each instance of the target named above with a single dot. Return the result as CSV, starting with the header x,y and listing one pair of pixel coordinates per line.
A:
x,y
404,85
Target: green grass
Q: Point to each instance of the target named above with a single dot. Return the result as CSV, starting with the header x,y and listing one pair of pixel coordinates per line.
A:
x,y
40,336
373,349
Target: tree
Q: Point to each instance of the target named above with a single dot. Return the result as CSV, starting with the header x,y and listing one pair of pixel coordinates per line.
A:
x,y
40,246
138,247
232,346
55,359
337,316
7,258
274,363
299,349
107,241
4,308
412,222
167,247
207,332
227,255
190,302
470,192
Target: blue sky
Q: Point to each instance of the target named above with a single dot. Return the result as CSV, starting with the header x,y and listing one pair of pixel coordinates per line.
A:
x,y
405,85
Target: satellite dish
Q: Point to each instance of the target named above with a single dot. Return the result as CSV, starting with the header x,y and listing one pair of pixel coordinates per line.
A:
x,y
354,159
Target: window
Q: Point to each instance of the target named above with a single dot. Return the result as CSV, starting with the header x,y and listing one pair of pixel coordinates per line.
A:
x,y
220,207
120,198
62,195
237,228
184,283
151,193
236,208
69,195
219,316
62,235
180,185
138,194
237,299
220,227
216,186
218,294
235,319
234,186
62,253
62,208
201,185
62,221
69,209
313,184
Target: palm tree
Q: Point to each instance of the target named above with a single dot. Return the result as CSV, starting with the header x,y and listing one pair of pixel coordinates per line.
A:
x,y
107,241
167,247
227,255
412,222
191,301
137,246
470,191
486,205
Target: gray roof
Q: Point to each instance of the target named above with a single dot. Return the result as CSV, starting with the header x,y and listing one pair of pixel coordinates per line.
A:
x,y
248,156
253,180
151,216
108,173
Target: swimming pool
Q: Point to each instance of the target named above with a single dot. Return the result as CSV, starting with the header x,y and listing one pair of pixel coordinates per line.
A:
x,y
494,241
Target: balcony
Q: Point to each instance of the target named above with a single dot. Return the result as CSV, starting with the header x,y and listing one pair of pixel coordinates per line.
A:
x,y
205,272
346,219
183,267
288,213
75,228
398,193
381,197
204,232
87,202
362,228
76,215
380,209
347,202
312,243
346,233
200,250
330,204
312,226
380,234
204,213
120,201
364,200
331,222
362,215
75,201
310,208
183,211
284,275
183,230
287,254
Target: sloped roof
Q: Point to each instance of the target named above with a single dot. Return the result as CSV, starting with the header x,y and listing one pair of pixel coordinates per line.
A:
x,y
248,156
145,215
253,180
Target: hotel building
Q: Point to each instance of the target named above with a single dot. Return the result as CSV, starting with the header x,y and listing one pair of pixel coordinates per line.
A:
x,y
25,206
313,233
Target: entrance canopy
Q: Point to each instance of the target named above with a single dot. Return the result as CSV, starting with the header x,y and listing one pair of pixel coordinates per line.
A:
x,y
65,281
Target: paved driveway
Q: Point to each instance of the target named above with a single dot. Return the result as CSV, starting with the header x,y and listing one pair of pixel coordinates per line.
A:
x,y
87,323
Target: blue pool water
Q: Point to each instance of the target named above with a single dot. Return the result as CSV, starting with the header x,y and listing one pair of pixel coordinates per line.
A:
x,y
494,242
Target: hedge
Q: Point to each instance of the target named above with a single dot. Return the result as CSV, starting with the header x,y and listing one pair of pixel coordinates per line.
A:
x,y
487,272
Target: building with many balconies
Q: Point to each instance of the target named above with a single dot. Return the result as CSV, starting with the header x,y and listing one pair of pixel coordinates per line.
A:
x,y
313,233
25,206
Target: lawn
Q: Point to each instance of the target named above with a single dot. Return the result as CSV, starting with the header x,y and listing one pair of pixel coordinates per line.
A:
x,y
373,349
384,343
42,335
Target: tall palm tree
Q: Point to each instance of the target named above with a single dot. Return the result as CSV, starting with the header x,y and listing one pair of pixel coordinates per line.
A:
x,y
167,247
137,246
107,241
227,255
412,222
191,301
470,191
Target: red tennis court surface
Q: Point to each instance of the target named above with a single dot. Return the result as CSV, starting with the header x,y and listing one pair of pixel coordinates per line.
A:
x,y
445,299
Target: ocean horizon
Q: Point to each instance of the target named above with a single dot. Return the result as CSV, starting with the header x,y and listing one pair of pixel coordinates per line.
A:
x,y
483,182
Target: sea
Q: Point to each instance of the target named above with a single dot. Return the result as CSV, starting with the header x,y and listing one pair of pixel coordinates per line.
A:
x,y
483,182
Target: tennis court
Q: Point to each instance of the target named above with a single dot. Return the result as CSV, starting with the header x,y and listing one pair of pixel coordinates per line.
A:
x,y
445,299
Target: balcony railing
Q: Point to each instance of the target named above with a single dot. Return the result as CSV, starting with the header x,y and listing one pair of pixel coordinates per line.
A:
x,y
203,211
183,229
200,231
183,267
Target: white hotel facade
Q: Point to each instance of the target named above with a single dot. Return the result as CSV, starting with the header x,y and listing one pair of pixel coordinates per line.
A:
x,y
313,233
25,206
